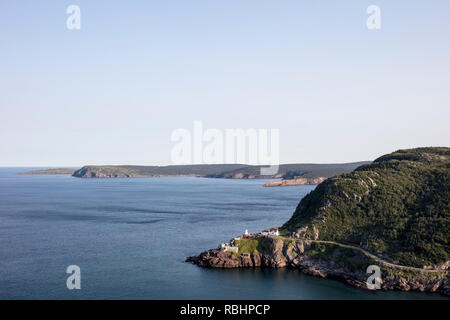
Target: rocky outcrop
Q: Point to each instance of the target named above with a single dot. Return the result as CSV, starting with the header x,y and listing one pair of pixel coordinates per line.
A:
x,y
103,172
277,253
274,254
294,182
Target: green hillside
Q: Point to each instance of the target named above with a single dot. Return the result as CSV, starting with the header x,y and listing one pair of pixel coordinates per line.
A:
x,y
398,206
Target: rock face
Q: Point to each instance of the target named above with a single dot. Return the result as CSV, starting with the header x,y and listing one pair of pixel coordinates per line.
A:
x,y
275,253
294,182
103,172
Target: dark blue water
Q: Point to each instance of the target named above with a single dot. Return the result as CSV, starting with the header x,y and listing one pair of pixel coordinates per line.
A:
x,y
130,238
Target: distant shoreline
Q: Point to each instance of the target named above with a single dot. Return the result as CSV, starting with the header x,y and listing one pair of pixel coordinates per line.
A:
x,y
290,174
295,182
49,171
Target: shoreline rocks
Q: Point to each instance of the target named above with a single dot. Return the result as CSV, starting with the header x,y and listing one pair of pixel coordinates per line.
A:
x,y
294,182
276,253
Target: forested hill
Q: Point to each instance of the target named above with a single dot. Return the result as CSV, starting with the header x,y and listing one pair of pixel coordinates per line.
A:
x,y
398,206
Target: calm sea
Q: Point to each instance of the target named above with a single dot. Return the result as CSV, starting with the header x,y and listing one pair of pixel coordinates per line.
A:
x,y
130,238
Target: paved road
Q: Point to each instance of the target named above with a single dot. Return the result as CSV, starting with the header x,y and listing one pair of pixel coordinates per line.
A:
x,y
374,257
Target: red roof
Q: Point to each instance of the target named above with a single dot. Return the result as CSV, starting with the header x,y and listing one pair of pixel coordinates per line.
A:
x,y
271,229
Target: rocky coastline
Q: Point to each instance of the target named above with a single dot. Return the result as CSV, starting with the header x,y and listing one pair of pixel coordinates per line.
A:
x,y
294,182
334,263
225,171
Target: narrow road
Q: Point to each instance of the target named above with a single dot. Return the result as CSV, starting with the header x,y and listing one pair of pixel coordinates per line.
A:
x,y
372,256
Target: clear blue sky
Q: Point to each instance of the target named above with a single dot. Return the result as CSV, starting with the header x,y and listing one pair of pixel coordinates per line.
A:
x,y
113,92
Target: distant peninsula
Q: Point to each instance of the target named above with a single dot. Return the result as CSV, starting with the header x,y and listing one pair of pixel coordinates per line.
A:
x,y
227,171
51,171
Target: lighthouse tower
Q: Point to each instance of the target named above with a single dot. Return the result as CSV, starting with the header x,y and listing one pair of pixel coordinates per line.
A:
x,y
246,232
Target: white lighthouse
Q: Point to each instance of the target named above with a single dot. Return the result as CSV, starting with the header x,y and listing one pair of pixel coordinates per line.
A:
x,y
246,233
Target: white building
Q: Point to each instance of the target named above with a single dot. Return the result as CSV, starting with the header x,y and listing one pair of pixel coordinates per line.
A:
x,y
270,232
226,247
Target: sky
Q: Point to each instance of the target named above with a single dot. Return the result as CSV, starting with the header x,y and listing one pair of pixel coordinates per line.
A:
x,y
114,91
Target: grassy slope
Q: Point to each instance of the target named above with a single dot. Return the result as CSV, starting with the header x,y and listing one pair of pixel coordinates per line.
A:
x,y
398,206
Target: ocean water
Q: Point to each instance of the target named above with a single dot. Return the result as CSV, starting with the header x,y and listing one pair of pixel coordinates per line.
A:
x,y
130,237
